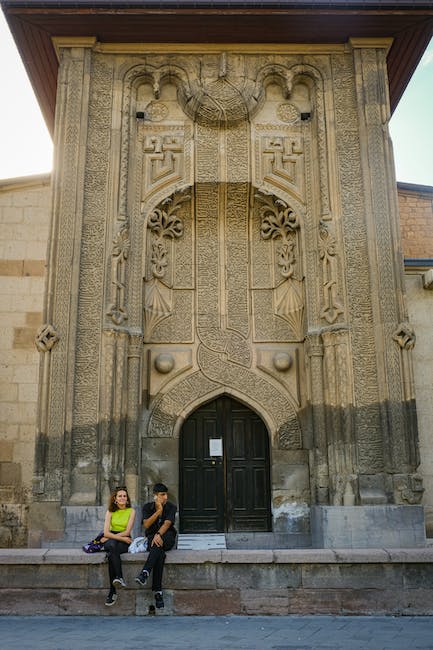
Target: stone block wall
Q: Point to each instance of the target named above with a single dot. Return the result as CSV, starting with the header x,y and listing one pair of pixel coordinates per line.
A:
x,y
420,306
24,218
416,220
214,583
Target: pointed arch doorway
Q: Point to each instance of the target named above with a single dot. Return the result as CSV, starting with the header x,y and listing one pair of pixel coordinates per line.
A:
x,y
224,470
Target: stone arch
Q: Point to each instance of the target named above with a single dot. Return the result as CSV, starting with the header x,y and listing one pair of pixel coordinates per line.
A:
x,y
258,393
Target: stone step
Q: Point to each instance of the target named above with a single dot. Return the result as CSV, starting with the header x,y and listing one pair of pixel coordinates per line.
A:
x,y
201,542
219,582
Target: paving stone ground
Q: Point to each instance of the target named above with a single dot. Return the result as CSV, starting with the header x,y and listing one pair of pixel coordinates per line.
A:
x,y
217,632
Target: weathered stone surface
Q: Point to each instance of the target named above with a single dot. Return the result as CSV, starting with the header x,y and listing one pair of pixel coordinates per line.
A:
x,y
259,601
207,603
368,526
349,576
191,576
213,588
257,576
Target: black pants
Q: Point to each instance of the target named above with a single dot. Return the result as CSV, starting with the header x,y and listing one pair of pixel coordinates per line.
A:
x,y
114,548
156,558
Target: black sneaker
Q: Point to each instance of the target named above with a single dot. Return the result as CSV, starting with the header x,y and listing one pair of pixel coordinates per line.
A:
x,y
111,599
142,577
159,600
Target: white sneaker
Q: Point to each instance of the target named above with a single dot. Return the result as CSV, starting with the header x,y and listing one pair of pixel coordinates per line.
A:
x,y
119,582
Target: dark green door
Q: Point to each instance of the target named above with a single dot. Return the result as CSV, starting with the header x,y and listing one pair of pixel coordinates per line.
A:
x,y
224,470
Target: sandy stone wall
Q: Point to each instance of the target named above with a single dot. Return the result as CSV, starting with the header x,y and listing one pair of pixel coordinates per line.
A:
x,y
416,220
24,218
420,305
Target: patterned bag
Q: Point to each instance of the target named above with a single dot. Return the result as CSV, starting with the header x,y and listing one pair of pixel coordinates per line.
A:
x,y
95,545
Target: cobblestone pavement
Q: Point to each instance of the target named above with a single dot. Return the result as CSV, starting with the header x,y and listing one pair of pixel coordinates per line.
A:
x,y
217,632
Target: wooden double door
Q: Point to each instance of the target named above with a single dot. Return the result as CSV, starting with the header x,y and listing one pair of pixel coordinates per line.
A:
x,y
224,470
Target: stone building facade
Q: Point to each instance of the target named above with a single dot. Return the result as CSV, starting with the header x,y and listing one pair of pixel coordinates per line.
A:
x,y
224,257
24,218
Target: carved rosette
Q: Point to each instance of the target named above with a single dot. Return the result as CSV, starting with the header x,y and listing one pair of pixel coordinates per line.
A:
x,y
164,225
281,224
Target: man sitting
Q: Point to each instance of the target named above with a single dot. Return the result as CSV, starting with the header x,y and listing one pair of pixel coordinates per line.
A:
x,y
158,521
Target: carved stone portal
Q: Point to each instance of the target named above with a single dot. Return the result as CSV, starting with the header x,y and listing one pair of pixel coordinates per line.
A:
x,y
226,248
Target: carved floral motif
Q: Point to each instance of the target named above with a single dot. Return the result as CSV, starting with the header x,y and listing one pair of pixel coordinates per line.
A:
x,y
280,222
164,224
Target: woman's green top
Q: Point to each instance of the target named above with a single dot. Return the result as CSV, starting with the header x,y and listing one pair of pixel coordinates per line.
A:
x,y
119,520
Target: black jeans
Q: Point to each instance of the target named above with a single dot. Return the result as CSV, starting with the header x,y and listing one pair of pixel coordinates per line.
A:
x,y
114,548
156,558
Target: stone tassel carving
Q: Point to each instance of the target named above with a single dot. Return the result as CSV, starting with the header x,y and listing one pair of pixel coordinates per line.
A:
x,y
408,488
164,224
280,222
332,307
120,252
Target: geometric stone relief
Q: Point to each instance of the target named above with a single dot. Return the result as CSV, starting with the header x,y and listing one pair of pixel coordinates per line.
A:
x,y
405,336
46,337
279,159
165,226
162,159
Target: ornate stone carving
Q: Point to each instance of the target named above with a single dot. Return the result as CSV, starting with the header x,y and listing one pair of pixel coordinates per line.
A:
x,y
164,224
163,159
120,252
332,307
281,159
288,113
405,336
280,222
46,337
408,488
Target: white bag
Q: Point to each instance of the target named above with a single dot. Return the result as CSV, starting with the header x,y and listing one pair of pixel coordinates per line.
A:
x,y
138,545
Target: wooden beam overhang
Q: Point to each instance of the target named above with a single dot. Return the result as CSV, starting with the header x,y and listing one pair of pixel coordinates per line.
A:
x,y
34,23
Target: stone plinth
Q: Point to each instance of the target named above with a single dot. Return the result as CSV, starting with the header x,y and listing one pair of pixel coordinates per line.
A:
x,y
215,582
387,526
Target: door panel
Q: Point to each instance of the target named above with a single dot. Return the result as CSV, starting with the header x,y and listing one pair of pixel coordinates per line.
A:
x,y
231,493
201,486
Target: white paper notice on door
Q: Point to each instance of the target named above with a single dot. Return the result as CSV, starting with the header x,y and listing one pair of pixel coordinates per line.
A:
x,y
215,446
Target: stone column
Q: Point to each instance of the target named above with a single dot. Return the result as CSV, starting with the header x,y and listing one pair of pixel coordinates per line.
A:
x,y
399,432
58,370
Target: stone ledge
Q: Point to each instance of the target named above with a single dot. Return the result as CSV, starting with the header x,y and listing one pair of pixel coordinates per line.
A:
x,y
279,582
277,556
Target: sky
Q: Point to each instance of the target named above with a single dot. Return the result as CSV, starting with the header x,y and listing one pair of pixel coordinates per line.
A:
x,y
26,147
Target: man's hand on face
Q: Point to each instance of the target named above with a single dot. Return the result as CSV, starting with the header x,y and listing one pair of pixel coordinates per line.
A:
x,y
158,503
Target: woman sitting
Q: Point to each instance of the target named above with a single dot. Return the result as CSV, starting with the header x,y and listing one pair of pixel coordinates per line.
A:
x,y
119,520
